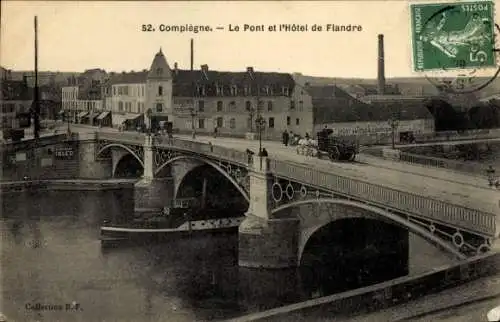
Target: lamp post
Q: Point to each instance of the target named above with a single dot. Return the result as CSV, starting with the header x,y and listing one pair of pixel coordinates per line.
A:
x,y
192,112
393,123
149,113
68,130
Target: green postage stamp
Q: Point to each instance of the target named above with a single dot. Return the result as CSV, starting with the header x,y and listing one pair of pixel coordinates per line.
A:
x,y
453,35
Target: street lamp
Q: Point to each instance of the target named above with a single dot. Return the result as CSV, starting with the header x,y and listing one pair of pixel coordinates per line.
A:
x,y
149,113
393,123
192,112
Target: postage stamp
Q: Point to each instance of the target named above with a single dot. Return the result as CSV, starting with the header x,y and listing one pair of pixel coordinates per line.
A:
x,y
451,36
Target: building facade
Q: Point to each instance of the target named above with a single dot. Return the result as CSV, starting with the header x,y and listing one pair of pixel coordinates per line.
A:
x,y
15,99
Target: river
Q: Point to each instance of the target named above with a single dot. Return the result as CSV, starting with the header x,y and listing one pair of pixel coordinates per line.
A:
x,y
53,268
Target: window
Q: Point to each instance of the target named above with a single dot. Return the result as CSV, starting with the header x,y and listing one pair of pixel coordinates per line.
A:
x,y
220,122
234,90
301,105
285,90
159,71
159,107
232,123
160,90
201,90
266,90
288,120
120,106
201,106
292,104
219,106
201,123
269,106
114,90
247,90
248,106
232,105
297,121
271,123
219,90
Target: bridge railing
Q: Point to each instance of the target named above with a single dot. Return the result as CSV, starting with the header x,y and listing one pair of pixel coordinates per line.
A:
x,y
466,167
422,206
186,145
122,137
205,149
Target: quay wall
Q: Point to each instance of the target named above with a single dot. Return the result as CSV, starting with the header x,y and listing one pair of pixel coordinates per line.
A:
x,y
63,159
386,294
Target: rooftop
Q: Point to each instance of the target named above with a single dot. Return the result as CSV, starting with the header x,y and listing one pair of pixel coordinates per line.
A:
x,y
332,104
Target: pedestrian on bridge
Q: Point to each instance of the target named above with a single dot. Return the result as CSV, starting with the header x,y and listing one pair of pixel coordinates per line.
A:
x,y
492,180
285,137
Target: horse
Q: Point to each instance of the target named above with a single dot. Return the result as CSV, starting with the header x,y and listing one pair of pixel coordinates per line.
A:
x,y
307,147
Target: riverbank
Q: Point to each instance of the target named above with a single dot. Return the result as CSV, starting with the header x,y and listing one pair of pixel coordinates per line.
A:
x,y
65,185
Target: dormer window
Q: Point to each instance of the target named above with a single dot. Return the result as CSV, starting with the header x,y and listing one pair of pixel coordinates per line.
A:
x,y
247,90
219,91
271,91
266,90
234,90
285,90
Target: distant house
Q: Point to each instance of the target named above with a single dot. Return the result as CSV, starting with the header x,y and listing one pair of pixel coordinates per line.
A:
x,y
15,99
347,115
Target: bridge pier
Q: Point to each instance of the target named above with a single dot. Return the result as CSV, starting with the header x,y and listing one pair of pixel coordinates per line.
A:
x,y
91,167
265,242
151,192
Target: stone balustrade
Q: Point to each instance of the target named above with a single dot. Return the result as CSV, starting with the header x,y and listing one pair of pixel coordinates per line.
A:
x,y
411,203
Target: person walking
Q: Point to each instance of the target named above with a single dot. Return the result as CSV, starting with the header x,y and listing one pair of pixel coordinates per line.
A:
x,y
285,137
216,130
490,172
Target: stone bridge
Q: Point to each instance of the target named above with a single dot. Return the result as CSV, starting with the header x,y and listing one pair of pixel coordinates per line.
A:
x,y
293,197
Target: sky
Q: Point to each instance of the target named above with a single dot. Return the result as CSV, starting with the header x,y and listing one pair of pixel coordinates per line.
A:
x,y
79,35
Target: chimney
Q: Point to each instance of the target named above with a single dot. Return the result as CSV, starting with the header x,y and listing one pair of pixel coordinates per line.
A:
x,y
204,68
176,68
25,81
381,66
250,70
192,54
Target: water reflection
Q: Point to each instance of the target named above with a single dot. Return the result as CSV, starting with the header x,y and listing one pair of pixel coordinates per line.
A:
x,y
51,255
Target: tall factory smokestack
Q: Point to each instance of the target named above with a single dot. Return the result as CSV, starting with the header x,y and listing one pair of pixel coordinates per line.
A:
x,y
192,54
381,65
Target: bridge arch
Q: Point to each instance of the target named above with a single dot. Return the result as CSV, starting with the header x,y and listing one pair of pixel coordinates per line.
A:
x,y
111,145
382,214
120,155
210,163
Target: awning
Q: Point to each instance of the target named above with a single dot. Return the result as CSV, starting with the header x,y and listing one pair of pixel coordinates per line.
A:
x,y
132,117
103,115
94,115
82,114
119,118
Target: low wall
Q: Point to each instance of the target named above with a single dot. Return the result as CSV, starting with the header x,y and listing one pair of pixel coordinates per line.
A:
x,y
466,167
383,295
62,185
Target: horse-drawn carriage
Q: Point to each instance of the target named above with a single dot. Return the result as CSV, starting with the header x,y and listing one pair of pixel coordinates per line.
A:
x,y
337,149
